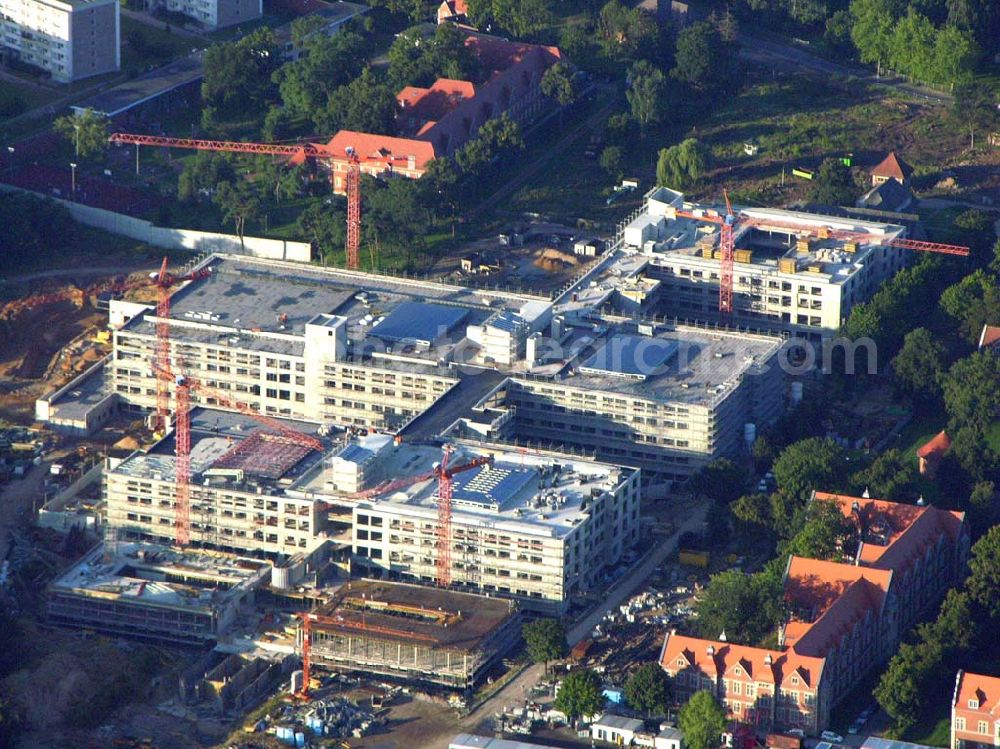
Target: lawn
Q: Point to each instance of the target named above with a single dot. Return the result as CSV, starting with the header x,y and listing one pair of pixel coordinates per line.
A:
x,y
918,432
935,728
16,98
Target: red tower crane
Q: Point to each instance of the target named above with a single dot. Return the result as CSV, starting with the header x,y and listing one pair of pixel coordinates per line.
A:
x,y
296,151
731,221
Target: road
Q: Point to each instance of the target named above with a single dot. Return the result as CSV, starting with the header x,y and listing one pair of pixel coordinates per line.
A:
x,y
767,51
514,693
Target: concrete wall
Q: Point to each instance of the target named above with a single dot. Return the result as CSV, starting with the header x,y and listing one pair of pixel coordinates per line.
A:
x,y
181,239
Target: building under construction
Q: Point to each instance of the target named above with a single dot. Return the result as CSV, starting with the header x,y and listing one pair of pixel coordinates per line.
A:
x,y
155,593
433,637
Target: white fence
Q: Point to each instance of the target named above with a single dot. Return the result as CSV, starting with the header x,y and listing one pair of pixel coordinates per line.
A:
x,y
180,239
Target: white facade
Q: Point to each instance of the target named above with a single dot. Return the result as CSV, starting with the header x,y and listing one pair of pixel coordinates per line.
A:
x,y
218,13
71,39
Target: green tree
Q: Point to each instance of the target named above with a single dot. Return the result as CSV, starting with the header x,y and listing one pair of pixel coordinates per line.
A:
x,y
955,56
627,33
325,226
911,47
329,63
833,184
971,395
648,689
973,302
983,583
557,84
721,479
237,75
754,511
702,721
545,640
746,608
890,476
365,105
86,132
808,465
703,59
239,203
682,165
917,368
956,629
612,160
983,505
902,689
646,94
871,31
822,536
204,171
580,694
305,28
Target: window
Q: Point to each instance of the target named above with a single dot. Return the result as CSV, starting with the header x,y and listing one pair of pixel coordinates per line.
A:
x,y
973,704
984,727
960,724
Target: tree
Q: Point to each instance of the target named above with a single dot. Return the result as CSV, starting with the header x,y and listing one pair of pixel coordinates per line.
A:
x,y
627,33
237,75
918,366
955,629
523,18
971,395
721,479
871,30
890,476
557,84
648,689
982,505
754,511
702,721
902,688
329,62
746,608
983,583
833,184
238,203
203,173
611,160
973,302
326,228
646,94
545,640
580,694
87,132
808,465
682,165
822,536
365,104
702,57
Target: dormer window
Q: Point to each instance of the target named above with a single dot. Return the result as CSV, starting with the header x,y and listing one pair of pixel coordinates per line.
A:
x,y
795,681
973,704
738,671
680,661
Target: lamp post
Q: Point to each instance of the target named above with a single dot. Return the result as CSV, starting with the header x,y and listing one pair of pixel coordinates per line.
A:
x,y
10,164
72,166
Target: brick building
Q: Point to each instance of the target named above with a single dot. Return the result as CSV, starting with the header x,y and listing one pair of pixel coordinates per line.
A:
x,y
975,711
845,617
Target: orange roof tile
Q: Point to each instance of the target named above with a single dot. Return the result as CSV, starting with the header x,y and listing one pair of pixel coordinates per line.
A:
x,y
990,337
893,167
938,444
909,528
498,54
394,152
985,690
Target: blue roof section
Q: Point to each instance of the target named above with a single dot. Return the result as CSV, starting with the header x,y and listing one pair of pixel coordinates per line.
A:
x,y
355,453
507,321
418,322
491,485
876,742
631,356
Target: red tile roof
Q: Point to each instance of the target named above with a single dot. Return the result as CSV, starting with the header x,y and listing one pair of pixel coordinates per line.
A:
x,y
431,104
936,445
990,337
910,528
985,690
498,54
394,152
893,167
451,8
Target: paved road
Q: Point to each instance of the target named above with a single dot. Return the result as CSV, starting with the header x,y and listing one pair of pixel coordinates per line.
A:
x,y
797,58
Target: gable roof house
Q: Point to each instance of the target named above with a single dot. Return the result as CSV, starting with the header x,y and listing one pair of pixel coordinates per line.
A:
x,y
892,167
975,711
846,617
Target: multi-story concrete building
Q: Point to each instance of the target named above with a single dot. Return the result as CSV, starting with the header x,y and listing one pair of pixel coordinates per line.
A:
x,y
975,711
846,617
71,39
538,527
216,14
795,271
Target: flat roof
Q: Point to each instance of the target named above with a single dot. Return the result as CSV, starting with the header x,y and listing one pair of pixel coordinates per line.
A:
x,y
402,612
238,446
123,97
137,573
470,741
702,366
74,404
631,356
531,493
418,322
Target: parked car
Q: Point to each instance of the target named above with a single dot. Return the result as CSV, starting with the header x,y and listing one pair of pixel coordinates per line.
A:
x,y
833,738
856,727
796,732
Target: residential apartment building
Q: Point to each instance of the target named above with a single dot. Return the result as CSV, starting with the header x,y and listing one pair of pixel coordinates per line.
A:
x,y
795,271
845,617
975,711
70,39
217,14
